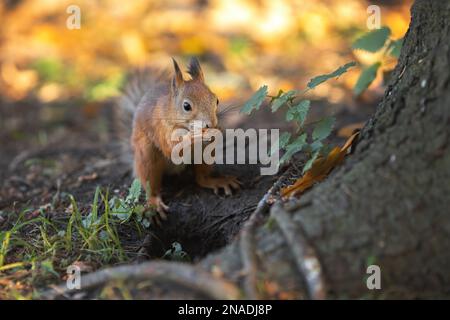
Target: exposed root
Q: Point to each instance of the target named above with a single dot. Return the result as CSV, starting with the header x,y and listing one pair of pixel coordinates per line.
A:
x,y
247,244
249,258
181,274
305,256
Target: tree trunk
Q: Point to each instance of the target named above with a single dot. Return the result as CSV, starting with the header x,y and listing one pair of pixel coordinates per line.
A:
x,y
387,205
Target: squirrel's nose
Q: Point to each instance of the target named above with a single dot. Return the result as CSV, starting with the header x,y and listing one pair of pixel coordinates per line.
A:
x,y
207,124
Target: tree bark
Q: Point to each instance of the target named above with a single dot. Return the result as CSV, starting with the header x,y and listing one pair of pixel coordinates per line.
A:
x,y
387,205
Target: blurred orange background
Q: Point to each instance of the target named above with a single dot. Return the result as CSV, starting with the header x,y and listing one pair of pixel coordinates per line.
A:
x,y
241,43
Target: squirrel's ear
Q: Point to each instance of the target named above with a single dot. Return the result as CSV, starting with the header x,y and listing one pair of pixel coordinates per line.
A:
x,y
177,80
195,70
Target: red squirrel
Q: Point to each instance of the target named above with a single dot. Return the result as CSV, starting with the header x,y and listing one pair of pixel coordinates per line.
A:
x,y
159,104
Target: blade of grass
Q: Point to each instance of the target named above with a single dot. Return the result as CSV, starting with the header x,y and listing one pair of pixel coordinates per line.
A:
x,y
4,248
14,265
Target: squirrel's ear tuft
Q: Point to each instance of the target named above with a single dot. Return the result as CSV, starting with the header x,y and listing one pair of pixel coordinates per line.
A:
x,y
177,80
195,70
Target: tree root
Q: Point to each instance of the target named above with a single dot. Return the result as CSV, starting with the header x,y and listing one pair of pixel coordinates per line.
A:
x,y
306,259
247,245
181,274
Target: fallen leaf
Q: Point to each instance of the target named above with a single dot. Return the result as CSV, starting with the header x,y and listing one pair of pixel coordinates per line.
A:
x,y
349,130
319,170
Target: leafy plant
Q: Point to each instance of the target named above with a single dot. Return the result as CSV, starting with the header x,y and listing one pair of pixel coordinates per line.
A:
x,y
374,41
296,109
129,207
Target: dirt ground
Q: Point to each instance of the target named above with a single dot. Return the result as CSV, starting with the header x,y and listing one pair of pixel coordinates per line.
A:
x,y
48,152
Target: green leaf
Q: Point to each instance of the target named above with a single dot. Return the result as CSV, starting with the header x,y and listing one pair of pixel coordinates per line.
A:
x,y
395,48
122,211
314,82
284,139
310,162
299,112
89,221
255,101
372,41
146,223
176,253
134,192
366,78
280,101
139,209
103,235
315,146
323,128
294,147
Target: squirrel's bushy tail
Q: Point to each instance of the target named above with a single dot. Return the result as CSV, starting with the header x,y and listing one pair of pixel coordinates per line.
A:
x,y
145,82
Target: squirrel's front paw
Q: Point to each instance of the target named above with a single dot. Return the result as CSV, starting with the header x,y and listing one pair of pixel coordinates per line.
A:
x,y
227,183
196,138
156,203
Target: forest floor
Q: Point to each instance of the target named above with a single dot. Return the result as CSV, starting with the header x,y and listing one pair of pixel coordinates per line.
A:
x,y
61,170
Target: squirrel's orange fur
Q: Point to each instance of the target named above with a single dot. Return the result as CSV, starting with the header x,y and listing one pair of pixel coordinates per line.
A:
x,y
159,111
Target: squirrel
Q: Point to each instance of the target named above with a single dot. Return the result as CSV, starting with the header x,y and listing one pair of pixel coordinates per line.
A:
x,y
159,103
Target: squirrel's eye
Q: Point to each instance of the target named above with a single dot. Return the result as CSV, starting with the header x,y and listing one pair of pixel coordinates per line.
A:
x,y
187,106
217,101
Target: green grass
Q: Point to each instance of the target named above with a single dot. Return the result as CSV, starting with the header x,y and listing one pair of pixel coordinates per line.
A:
x,y
36,251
